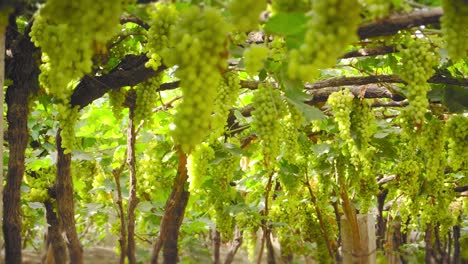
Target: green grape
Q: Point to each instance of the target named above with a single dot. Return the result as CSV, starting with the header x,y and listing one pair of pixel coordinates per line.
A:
x,y
197,165
454,28
254,58
278,49
291,125
457,134
418,66
153,172
332,26
199,52
246,13
377,8
146,98
221,193
67,118
342,105
290,5
163,20
227,94
116,100
269,109
362,123
68,33
433,148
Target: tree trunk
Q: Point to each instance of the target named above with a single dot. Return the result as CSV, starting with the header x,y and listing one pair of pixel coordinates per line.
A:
x,y
133,199
65,203
121,212
380,219
56,249
173,215
23,72
216,246
456,243
237,242
3,24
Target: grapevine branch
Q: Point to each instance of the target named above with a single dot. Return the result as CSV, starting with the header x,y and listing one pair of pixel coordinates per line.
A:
x,y
395,23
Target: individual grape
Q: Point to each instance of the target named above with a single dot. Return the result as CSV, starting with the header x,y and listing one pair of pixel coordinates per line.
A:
x,y
290,5
246,13
454,28
200,53
254,58
418,66
163,20
146,98
197,165
457,134
116,100
332,26
269,109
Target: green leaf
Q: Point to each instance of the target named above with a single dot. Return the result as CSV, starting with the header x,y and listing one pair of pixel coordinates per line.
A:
x,y
290,25
286,23
235,150
145,206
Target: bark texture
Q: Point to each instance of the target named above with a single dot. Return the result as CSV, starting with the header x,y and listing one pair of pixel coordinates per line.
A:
x,y
23,72
65,202
173,216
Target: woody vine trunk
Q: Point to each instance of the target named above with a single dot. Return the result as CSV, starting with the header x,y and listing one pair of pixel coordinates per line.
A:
x,y
23,72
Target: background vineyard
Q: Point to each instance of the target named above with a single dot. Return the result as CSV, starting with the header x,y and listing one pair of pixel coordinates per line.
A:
x,y
189,131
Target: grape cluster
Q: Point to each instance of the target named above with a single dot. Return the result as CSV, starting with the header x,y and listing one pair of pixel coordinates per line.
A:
x,y
418,66
362,123
454,28
221,194
116,100
269,108
254,58
199,52
146,98
433,148
68,118
39,183
457,133
377,8
197,165
68,33
163,20
290,5
228,92
363,127
332,26
246,13
342,105
291,126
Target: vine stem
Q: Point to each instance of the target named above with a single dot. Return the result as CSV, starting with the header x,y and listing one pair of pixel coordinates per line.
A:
x,y
133,199
325,234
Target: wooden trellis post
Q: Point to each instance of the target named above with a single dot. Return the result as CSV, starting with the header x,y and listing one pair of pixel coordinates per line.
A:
x,y
368,255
